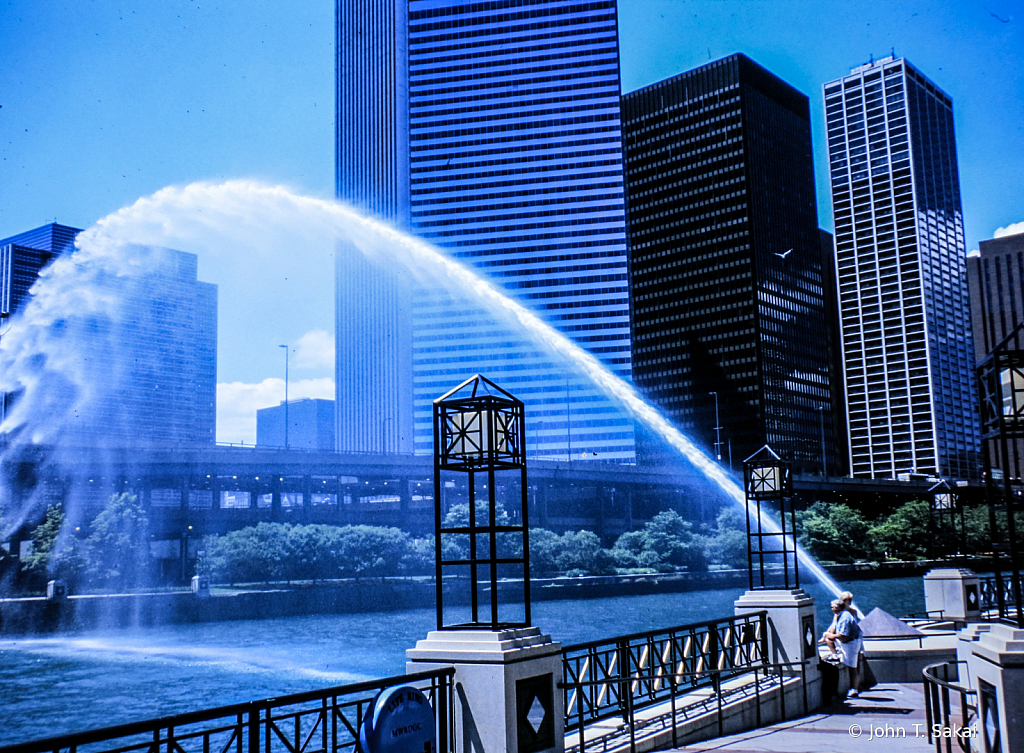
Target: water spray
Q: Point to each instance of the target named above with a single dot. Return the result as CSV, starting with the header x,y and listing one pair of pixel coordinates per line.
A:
x,y
226,208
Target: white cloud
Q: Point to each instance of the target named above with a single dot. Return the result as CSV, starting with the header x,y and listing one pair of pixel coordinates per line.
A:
x,y
315,350
1014,229
237,403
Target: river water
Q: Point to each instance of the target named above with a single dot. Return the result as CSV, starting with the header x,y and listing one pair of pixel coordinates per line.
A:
x,y
59,684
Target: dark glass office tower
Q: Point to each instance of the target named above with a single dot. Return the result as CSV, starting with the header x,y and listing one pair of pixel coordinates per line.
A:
x,y
901,272
22,258
725,261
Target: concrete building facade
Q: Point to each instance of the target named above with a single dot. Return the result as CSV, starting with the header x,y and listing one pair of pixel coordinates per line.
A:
x,y
901,272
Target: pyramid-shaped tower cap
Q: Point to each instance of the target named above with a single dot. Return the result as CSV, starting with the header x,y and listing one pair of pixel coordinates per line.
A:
x,y
766,455
941,486
478,386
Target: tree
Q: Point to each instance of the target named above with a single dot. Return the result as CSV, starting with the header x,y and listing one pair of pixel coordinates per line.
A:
x,y
370,551
728,544
904,534
834,532
118,547
666,542
581,553
544,548
56,553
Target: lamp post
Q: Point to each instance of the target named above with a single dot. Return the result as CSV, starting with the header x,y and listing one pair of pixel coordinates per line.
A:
x,y
824,458
718,431
768,481
480,428
943,512
285,395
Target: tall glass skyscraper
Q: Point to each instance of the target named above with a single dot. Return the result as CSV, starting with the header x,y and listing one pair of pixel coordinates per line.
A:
x,y
728,304
515,167
901,273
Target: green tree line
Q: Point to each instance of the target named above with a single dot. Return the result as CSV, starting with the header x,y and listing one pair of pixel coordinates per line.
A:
x,y
839,533
115,555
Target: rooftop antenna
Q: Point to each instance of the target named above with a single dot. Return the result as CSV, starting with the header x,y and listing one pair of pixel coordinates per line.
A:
x,y
892,52
872,58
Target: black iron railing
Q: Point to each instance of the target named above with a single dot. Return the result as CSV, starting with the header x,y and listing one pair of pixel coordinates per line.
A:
x,y
602,679
682,707
996,596
314,722
940,686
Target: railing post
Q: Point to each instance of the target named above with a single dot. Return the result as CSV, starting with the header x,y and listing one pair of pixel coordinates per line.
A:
x,y
625,692
579,709
782,695
254,730
757,695
672,685
718,698
443,720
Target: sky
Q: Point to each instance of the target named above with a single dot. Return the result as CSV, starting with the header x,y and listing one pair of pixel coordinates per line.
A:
x,y
102,102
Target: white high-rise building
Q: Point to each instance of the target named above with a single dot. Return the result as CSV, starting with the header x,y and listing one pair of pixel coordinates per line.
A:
x,y
900,258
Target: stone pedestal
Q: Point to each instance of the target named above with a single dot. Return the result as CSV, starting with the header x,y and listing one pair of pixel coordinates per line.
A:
x,y
507,698
954,591
792,636
966,640
996,666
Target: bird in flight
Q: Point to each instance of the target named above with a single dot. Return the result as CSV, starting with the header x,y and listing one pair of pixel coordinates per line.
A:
x,y
783,255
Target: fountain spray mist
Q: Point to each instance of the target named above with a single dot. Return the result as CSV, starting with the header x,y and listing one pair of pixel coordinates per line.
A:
x,y
215,216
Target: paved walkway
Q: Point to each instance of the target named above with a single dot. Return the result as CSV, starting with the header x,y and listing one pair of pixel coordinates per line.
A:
x,y
883,719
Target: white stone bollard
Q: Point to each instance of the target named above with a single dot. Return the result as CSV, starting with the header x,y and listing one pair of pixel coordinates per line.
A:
x,y
507,698
793,635
996,666
954,591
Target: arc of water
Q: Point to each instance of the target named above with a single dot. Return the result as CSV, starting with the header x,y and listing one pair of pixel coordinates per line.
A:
x,y
238,201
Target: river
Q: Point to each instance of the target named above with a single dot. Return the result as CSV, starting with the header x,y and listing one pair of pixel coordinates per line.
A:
x,y
67,683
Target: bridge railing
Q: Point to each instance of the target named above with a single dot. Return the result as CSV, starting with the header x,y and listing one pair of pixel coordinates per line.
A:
x,y
609,678
941,686
312,722
991,588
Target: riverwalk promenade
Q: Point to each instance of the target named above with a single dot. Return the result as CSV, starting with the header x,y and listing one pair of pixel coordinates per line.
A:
x,y
886,718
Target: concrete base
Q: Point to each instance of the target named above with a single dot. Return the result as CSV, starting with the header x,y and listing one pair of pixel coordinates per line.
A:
x,y
507,698
793,636
954,591
996,667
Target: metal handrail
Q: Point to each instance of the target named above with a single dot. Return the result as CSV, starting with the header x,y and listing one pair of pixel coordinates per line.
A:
x,y
635,670
716,685
248,726
937,702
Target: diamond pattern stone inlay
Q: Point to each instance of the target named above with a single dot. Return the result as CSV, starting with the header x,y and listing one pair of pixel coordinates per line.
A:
x,y
535,716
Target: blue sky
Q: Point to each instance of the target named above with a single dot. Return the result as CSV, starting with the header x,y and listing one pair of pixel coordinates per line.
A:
x,y
102,102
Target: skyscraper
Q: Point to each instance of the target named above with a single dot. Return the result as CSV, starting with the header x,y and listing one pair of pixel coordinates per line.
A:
x,y
22,258
902,281
514,166
725,261
996,281
995,278
136,368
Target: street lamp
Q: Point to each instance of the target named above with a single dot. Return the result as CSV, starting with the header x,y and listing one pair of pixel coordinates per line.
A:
x,y
767,481
718,430
947,535
479,428
824,458
285,395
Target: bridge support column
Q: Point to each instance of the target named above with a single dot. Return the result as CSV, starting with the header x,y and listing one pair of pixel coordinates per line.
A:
x,y
792,635
996,667
954,591
507,698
